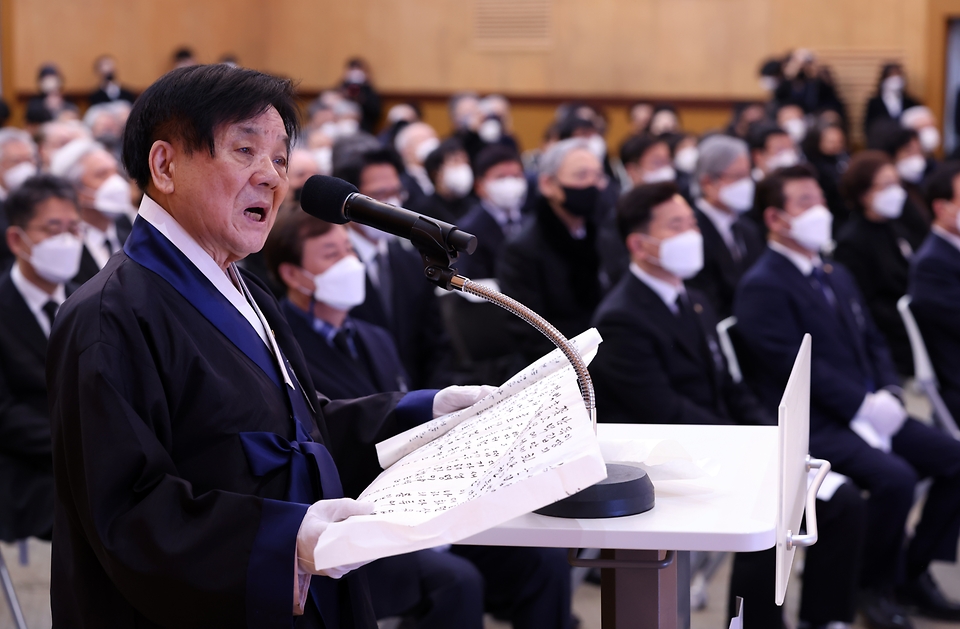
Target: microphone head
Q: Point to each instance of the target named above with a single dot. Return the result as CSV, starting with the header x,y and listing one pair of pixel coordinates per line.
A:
x,y
323,197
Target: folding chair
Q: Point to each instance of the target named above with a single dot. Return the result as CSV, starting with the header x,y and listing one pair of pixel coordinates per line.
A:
x,y
726,346
923,370
11,594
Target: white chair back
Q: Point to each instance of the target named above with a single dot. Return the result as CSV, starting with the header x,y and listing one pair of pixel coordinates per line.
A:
x,y
726,346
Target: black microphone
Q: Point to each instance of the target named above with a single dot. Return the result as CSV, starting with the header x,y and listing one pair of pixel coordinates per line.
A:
x,y
338,201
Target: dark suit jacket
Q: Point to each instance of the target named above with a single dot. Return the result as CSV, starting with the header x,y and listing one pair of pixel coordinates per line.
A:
x,y
721,273
935,293
100,96
416,325
339,377
877,254
647,371
776,305
6,256
877,110
26,475
481,263
88,266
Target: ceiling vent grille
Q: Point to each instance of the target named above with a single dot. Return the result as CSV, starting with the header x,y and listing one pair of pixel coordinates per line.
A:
x,y
513,24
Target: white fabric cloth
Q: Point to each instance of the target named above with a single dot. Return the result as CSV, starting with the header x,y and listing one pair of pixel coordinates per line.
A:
x,y
36,297
665,290
96,242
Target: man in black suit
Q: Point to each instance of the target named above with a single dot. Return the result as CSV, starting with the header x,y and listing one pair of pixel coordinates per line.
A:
x,y
502,189
857,421
935,283
350,358
553,265
43,233
731,243
660,363
104,196
398,297
108,90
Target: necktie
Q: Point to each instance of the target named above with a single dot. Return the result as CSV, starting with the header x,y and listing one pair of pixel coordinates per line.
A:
x,y
819,279
342,343
689,328
50,309
386,283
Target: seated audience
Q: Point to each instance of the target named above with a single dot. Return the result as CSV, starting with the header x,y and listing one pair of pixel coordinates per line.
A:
x,y
857,421
935,284
731,242
501,190
53,136
398,296
108,89
414,143
105,201
448,168
825,148
903,147
43,234
50,103
876,247
553,265
770,148
920,119
791,118
356,86
18,161
647,159
891,98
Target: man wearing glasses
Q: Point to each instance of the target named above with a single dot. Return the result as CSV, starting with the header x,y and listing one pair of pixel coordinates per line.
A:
x,y
44,236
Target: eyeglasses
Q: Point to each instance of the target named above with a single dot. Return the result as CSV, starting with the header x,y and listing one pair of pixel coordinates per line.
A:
x,y
56,227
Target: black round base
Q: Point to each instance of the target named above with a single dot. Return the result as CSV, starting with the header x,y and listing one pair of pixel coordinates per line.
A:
x,y
627,490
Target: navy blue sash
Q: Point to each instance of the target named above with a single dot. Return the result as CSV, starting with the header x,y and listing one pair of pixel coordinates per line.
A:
x,y
311,468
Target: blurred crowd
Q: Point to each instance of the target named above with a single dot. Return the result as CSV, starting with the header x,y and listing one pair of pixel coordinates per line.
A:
x,y
775,220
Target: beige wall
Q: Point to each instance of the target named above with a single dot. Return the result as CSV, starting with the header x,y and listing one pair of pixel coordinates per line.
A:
x,y
676,48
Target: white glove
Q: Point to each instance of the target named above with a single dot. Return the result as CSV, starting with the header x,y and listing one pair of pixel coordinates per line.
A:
x,y
319,516
881,415
455,398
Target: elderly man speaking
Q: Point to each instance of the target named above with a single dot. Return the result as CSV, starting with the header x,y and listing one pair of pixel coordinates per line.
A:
x,y
196,466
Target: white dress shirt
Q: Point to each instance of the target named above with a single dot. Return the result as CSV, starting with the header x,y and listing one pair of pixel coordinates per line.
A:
x,y
502,216
668,292
36,297
950,238
723,221
96,242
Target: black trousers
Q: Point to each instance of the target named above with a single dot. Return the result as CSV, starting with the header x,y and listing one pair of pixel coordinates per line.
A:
x,y
831,571
919,451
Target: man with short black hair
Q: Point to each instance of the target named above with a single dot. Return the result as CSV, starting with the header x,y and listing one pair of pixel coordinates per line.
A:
x,y
646,158
857,420
935,283
44,224
770,148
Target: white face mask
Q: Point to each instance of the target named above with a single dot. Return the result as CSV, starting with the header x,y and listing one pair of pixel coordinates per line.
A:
x,y
14,178
343,285
490,130
507,193
783,159
667,173
682,255
347,127
458,179
796,128
811,230
686,159
768,83
597,146
56,259
323,156
911,168
738,196
929,139
425,148
893,83
330,129
112,198
888,203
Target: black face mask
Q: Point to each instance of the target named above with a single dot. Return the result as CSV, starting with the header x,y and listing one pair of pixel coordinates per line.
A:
x,y
581,201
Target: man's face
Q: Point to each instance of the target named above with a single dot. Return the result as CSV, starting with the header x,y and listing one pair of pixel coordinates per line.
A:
x,y
776,144
579,169
322,252
670,218
799,196
738,169
302,167
498,171
15,152
381,182
56,136
418,134
97,167
51,218
228,201
654,158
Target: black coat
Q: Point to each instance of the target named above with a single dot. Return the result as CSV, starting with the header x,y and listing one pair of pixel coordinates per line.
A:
x,y
877,110
100,96
648,371
88,266
482,263
339,377
6,256
556,276
447,210
26,474
776,305
935,293
416,324
721,273
159,519
878,256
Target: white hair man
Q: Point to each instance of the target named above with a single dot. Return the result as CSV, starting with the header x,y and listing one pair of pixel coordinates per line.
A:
x,y
18,159
57,134
921,120
414,143
104,197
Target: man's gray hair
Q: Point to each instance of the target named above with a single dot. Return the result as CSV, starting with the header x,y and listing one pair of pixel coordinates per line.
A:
x,y
10,134
553,157
717,153
68,161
